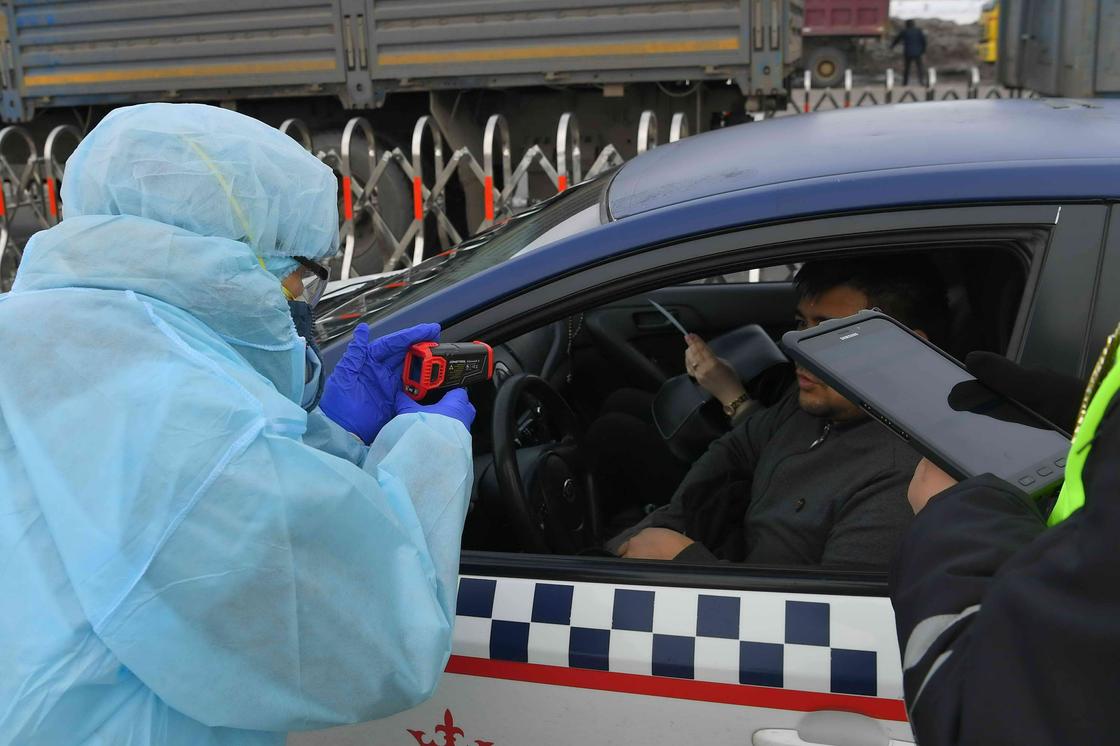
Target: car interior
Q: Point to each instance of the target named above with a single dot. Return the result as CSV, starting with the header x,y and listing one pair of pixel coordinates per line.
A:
x,y
534,492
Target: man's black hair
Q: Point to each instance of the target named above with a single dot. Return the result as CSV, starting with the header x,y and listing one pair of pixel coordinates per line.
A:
x,y
906,287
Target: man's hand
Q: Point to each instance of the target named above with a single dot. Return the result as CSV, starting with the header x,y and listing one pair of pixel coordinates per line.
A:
x,y
713,373
928,481
654,543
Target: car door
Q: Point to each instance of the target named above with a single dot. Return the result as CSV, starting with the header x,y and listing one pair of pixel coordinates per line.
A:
x,y
561,661
560,650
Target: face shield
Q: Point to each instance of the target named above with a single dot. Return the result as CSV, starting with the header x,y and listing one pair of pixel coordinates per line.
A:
x,y
314,277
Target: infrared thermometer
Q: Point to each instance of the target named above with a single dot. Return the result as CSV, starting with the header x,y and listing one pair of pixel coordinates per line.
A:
x,y
436,366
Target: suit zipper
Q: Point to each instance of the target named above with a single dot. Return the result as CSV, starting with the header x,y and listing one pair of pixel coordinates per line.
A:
x,y
823,437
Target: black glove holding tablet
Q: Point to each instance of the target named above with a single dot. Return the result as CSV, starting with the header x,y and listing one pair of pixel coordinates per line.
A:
x,y
1054,396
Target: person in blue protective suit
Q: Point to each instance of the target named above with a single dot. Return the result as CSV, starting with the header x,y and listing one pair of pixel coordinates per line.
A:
x,y
188,555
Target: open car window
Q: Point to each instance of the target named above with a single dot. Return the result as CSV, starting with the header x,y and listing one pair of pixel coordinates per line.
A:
x,y
614,345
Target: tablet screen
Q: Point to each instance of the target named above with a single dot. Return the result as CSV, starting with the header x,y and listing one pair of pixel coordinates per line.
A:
x,y
935,401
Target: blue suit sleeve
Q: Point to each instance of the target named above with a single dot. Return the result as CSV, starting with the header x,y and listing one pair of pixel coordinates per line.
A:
x,y
299,591
323,432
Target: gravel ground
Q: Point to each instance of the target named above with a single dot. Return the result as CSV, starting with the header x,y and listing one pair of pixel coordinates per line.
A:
x,y
951,49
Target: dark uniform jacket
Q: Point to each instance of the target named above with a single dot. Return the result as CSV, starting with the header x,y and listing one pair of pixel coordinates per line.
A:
x,y
786,488
913,42
1010,631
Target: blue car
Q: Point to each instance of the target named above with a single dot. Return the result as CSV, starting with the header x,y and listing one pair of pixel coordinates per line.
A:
x,y
555,643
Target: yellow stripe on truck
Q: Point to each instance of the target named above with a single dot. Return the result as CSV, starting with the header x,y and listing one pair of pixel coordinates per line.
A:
x,y
39,80
498,54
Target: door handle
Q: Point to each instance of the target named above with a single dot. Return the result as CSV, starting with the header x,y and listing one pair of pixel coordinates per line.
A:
x,y
830,728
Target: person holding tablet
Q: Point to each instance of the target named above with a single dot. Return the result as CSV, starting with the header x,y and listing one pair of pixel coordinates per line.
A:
x,y
1006,611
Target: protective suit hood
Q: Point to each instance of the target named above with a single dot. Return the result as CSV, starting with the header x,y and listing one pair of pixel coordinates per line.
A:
x,y
184,203
211,172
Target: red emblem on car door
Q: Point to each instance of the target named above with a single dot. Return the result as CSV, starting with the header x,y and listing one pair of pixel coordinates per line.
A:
x,y
448,730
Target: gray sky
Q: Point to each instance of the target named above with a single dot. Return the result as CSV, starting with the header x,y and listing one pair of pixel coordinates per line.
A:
x,y
961,11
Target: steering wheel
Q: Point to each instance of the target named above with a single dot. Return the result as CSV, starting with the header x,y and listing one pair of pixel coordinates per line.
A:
x,y
547,489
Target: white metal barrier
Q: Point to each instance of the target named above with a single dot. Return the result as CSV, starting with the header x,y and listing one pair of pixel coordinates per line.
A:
x,y
31,181
927,90
29,190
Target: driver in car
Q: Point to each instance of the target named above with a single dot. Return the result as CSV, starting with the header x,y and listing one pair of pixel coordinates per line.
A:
x,y
810,480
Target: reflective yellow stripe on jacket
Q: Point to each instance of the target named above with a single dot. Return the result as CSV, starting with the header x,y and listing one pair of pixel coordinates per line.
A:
x,y
1103,385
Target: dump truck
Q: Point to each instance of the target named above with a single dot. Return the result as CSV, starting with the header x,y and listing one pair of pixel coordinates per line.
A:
x,y
832,30
1060,47
987,49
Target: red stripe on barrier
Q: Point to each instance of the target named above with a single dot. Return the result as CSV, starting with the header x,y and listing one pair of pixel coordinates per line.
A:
x,y
561,183
488,196
697,691
347,198
3,203
53,201
417,198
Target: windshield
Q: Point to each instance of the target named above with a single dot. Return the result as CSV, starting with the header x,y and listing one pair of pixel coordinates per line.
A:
x,y
564,215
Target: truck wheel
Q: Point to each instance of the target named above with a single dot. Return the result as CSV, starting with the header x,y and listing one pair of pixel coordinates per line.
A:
x,y
827,65
394,200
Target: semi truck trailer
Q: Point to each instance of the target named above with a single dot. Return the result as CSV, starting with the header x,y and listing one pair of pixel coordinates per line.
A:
x,y
1060,47
324,62
376,55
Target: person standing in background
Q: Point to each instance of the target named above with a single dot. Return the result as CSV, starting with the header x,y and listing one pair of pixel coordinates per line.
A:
x,y
913,47
1007,611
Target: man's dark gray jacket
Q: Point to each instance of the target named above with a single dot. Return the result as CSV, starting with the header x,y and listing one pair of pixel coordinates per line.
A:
x,y
773,491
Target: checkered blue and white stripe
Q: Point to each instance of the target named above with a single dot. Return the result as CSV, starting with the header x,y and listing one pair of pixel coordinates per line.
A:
x,y
816,643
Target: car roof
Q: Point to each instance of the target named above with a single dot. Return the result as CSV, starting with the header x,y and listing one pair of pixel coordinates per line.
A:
x,y
992,138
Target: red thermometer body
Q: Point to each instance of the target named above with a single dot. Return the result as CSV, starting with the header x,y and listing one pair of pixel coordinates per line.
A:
x,y
435,366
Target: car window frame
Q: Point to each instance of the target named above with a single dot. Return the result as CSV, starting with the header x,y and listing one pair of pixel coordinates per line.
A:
x,y
659,264
1055,332
655,266
1105,305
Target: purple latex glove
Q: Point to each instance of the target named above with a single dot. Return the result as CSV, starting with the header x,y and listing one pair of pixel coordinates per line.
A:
x,y
361,393
454,404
